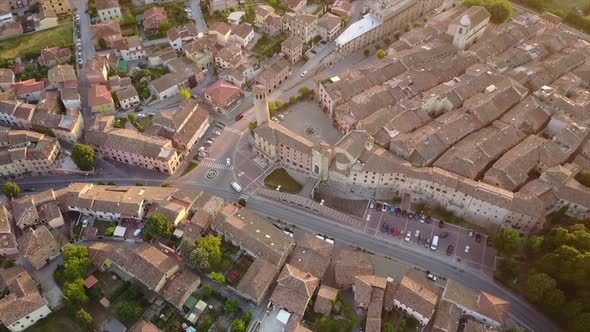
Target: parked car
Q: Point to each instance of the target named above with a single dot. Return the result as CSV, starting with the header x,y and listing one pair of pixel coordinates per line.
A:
x,y
410,216
428,220
378,206
408,236
202,148
417,232
444,235
203,154
392,209
467,249
393,231
85,223
216,133
470,233
239,116
478,238
29,189
274,119
441,224
489,241
431,276
427,243
281,116
371,205
304,73
450,250
227,162
384,207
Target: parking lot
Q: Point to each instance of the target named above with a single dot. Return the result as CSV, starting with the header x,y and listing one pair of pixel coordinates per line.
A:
x,y
393,226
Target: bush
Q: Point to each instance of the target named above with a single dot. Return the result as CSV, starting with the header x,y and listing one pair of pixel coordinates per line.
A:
x,y
381,54
242,202
109,231
217,277
10,189
7,263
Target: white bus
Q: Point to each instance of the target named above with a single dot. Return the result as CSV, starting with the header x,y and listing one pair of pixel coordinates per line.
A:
x,y
236,187
434,243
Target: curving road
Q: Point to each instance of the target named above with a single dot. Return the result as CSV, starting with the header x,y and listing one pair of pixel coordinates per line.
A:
x,y
520,309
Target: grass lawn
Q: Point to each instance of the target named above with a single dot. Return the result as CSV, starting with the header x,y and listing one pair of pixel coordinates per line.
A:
x,y
565,5
35,42
58,321
280,177
266,46
191,165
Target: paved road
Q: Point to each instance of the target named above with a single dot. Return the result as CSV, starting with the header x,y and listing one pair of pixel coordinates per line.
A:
x,y
198,16
475,279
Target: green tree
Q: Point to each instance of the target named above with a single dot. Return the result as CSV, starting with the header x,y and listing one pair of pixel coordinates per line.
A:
x,y
380,54
387,327
292,99
238,326
84,318
217,277
252,126
343,21
165,26
7,263
207,289
10,189
271,107
75,267
501,10
278,103
75,251
242,202
157,226
533,245
246,317
507,241
184,93
537,285
231,306
407,27
129,312
581,323
102,43
507,269
367,52
554,300
199,258
132,118
402,325
83,157
303,91
165,185
7,63
73,294
212,245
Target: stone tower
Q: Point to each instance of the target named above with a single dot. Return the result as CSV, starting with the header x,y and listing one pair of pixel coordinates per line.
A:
x,y
260,104
460,37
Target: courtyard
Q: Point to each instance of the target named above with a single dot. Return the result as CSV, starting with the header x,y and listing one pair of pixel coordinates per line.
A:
x,y
307,119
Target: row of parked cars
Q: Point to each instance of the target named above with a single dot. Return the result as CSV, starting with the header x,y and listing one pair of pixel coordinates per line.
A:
x,y
384,207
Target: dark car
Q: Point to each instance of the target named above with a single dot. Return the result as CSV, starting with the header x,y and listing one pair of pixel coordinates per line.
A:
x,y
384,228
478,238
489,241
378,206
404,213
428,220
450,250
410,216
29,189
239,117
443,235
441,224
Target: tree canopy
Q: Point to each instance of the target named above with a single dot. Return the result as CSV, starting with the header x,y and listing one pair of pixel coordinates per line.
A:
x,y
10,189
74,294
157,226
83,157
231,306
507,241
184,93
500,10
212,245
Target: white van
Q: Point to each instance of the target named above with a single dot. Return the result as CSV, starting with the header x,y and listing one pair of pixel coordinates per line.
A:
x,y
434,243
235,186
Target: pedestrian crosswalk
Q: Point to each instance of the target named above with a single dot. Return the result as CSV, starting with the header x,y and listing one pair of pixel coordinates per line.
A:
x,y
220,166
233,130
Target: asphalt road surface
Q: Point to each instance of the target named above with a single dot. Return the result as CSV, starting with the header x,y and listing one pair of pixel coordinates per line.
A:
x,y
520,309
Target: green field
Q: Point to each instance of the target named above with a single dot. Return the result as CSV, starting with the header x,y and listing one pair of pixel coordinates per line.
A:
x,y
62,35
564,4
280,177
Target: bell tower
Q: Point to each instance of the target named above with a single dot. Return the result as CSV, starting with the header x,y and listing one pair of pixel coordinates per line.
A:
x,y
261,104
